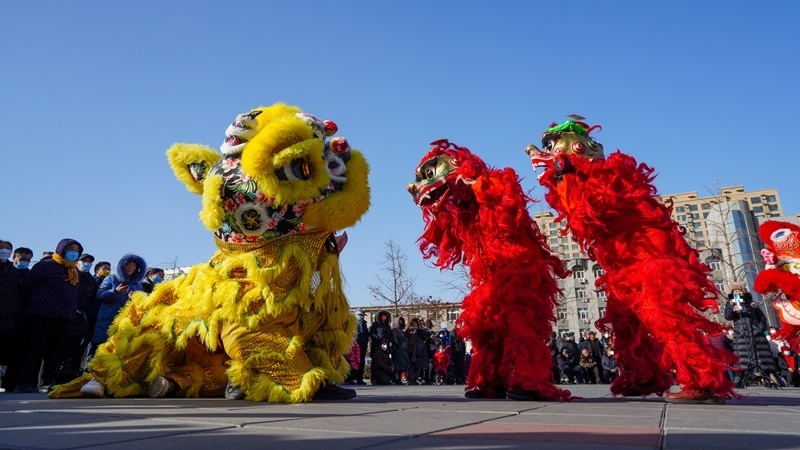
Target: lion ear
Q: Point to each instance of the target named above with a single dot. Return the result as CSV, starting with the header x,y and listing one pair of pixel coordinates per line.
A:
x,y
191,163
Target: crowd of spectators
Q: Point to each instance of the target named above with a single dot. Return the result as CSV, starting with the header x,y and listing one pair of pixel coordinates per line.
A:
x,y
54,313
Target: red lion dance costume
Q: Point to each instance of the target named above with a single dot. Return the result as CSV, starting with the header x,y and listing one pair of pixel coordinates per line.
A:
x,y
654,282
478,216
782,272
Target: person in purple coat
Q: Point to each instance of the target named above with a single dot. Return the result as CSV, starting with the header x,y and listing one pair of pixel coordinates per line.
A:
x,y
50,302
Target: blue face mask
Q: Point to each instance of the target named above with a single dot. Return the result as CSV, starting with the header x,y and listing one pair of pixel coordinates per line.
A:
x,y
71,255
85,266
157,280
23,264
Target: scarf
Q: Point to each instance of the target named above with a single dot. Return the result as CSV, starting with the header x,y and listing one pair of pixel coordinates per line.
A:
x,y
72,271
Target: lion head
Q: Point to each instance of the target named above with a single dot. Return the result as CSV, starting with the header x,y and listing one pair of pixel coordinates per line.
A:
x,y
569,138
782,252
280,172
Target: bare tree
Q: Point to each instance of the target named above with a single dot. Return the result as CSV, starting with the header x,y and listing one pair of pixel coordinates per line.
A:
x,y
459,281
395,285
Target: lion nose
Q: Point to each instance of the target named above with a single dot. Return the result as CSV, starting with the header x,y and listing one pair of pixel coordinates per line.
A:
x,y
412,189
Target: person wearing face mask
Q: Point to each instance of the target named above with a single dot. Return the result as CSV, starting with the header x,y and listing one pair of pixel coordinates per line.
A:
x,y
101,270
88,304
609,363
382,365
50,299
9,306
152,277
22,260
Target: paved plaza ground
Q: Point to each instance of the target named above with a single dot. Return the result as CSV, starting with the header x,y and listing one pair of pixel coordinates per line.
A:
x,y
403,417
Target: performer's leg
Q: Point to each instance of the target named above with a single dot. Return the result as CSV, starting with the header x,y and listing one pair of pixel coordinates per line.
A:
x,y
270,364
638,354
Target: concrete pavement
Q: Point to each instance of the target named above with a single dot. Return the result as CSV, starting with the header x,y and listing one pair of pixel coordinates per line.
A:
x,y
403,417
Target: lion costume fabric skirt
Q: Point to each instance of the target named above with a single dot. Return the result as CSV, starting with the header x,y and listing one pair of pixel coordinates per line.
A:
x,y
271,318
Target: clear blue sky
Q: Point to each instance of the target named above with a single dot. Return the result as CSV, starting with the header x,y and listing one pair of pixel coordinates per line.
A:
x,y
92,93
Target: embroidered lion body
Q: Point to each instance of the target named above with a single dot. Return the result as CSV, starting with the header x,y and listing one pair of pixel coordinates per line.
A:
x,y
267,313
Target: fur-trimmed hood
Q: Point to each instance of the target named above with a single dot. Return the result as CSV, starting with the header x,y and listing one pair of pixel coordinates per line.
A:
x,y
141,268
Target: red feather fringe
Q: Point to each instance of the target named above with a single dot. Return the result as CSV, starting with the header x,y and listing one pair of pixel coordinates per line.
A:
x,y
654,282
508,315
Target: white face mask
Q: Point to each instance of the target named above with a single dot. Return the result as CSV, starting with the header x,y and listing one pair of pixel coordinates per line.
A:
x,y
772,331
787,352
384,347
611,353
5,254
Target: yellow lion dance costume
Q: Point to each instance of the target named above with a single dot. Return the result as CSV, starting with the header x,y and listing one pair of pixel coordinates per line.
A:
x,y
267,314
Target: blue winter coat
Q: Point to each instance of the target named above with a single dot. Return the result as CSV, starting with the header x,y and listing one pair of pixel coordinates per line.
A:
x,y
111,301
46,291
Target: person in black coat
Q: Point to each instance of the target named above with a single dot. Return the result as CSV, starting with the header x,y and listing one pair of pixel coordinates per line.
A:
x,y
749,341
9,309
50,299
458,351
570,370
382,365
379,330
594,346
362,337
569,343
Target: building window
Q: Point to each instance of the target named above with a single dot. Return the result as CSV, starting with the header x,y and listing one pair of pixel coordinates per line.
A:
x,y
554,242
696,216
755,200
758,209
692,208
773,207
720,286
680,209
597,271
583,314
601,312
562,314
714,264
705,215
698,234
771,198
580,292
579,274
576,256
553,233
682,218
565,240
551,224
601,295
452,316
696,225
705,206
565,248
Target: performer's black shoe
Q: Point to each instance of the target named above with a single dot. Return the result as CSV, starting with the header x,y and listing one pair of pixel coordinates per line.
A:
x,y
499,392
234,392
330,391
523,395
